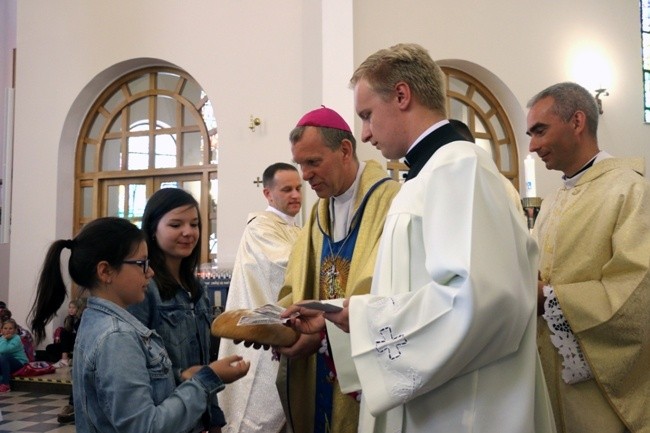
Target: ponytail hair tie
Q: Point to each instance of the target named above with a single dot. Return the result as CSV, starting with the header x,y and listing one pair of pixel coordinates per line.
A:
x,y
68,243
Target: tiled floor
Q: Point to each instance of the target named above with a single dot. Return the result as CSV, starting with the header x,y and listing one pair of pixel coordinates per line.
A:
x,y
32,406
32,412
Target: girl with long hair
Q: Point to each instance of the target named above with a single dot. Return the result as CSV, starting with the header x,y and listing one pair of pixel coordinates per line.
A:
x,y
176,305
122,377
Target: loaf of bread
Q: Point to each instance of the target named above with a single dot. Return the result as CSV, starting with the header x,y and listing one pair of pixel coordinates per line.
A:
x,y
225,326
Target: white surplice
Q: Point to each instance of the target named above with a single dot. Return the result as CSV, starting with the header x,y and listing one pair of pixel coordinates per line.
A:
x,y
251,404
445,342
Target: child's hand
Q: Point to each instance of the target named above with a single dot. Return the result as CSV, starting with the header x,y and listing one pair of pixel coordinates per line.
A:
x,y
187,374
230,368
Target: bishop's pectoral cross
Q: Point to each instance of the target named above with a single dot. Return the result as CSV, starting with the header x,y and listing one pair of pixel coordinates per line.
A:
x,y
331,275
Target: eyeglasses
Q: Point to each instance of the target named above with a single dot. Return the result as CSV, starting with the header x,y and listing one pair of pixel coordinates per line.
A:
x,y
144,264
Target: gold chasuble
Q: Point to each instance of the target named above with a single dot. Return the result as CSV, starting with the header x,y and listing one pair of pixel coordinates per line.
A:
x,y
594,241
307,278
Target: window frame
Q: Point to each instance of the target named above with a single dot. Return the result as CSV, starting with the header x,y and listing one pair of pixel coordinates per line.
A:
x,y
113,105
469,98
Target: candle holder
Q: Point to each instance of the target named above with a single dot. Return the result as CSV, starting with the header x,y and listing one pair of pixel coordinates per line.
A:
x,y
531,207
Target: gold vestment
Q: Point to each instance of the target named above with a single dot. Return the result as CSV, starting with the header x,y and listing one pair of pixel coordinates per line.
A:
x,y
302,282
595,253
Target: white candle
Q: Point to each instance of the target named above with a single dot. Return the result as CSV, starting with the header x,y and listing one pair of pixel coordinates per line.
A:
x,y
529,176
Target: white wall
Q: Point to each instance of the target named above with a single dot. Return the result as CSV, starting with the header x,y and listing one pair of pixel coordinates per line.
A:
x,y
7,45
528,45
249,56
276,60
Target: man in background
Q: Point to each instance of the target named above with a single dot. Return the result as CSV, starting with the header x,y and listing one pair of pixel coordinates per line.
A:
x,y
594,287
252,405
333,258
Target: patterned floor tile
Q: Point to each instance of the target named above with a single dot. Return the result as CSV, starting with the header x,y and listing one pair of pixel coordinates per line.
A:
x,y
32,412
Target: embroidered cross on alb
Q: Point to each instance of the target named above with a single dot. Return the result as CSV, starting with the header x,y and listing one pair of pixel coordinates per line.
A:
x,y
390,343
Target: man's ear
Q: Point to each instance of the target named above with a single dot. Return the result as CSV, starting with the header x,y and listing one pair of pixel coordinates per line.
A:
x,y
347,149
579,121
402,94
267,194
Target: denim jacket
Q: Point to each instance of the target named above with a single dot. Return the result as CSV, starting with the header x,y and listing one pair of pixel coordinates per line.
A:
x,y
184,325
122,378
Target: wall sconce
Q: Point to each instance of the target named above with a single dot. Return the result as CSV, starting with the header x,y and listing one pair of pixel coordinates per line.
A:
x,y
253,123
591,67
604,92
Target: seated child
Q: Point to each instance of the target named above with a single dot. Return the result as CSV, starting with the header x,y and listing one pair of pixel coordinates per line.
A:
x,y
60,351
24,334
12,353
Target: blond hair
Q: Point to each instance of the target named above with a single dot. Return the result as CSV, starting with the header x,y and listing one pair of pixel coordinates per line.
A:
x,y
408,63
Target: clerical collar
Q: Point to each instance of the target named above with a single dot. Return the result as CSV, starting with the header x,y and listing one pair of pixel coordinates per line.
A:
x,y
428,131
288,218
428,143
342,208
570,182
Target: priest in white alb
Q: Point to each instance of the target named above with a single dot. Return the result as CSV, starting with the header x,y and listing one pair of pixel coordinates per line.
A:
x,y
445,341
252,404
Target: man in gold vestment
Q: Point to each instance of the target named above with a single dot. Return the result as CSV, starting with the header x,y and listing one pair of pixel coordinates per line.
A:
x,y
333,258
594,288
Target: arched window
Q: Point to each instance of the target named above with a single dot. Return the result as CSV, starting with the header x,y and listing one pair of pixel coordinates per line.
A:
x,y
470,101
645,53
152,128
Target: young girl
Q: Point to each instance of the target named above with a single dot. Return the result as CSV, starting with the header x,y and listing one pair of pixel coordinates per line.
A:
x,y
122,378
12,353
60,351
176,305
